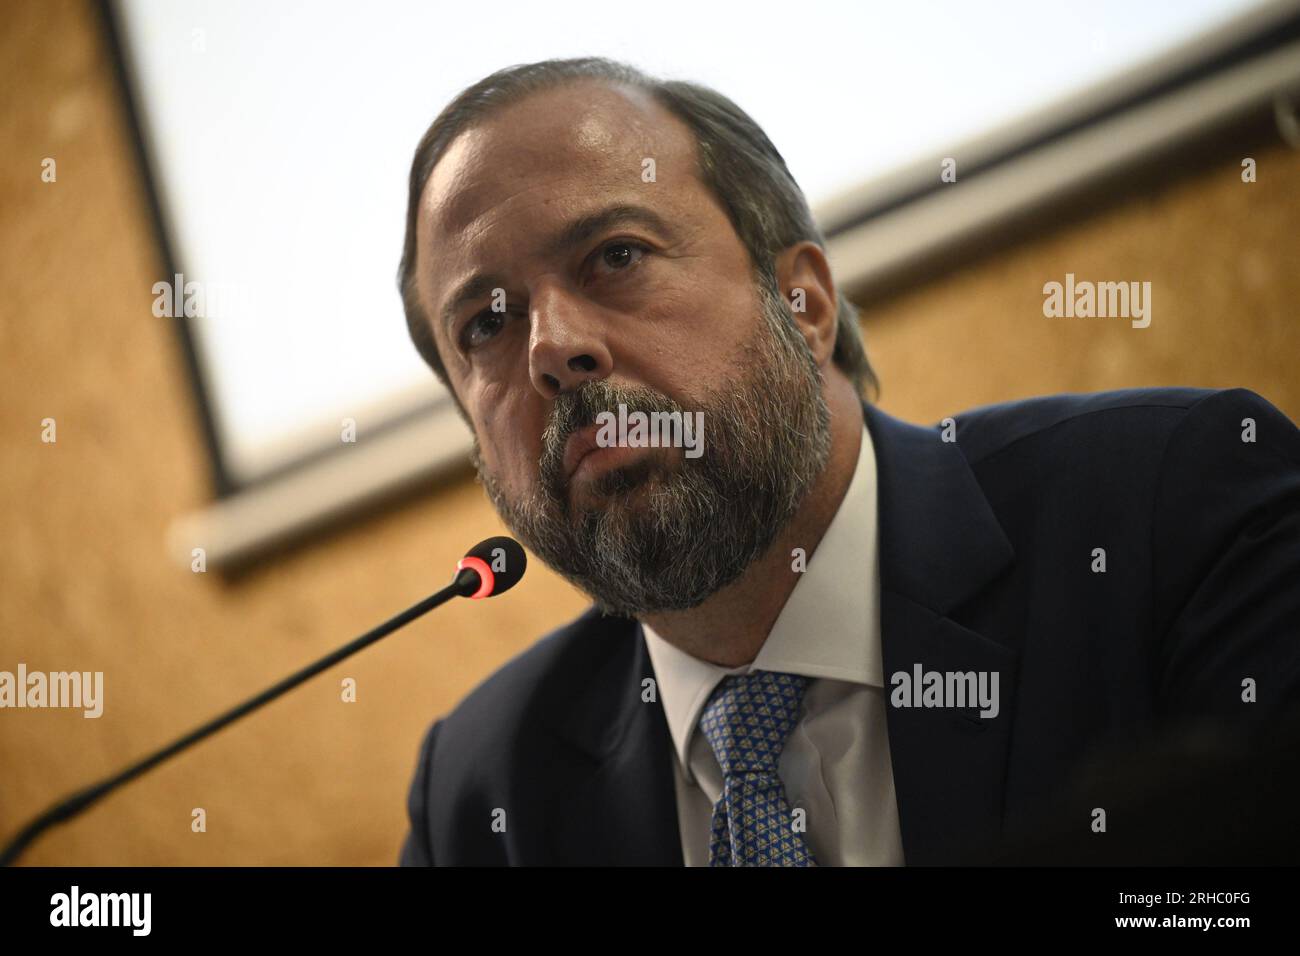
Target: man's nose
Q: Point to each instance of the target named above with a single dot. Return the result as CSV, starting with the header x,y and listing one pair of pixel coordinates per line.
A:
x,y
566,342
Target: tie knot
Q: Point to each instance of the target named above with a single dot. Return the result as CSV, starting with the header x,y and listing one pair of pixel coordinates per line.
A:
x,y
748,718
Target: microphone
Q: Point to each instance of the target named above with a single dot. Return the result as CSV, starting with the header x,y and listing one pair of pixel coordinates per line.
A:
x,y
491,567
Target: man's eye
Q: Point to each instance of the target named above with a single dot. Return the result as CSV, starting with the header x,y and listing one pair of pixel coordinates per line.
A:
x,y
481,328
619,255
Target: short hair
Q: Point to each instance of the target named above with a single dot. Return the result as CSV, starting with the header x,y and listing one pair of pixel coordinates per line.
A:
x,y
737,162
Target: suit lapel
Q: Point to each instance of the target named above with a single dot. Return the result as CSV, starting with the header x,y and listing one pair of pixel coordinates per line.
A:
x,y
940,544
620,806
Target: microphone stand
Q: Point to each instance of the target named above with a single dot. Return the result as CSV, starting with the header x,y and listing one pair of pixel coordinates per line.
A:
x,y
463,585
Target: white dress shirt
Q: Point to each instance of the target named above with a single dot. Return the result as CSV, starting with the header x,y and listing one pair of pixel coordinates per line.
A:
x,y
835,764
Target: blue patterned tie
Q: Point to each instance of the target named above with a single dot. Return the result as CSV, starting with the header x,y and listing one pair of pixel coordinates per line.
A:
x,y
746,722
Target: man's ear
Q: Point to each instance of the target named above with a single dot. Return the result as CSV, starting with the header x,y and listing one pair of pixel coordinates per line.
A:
x,y
804,276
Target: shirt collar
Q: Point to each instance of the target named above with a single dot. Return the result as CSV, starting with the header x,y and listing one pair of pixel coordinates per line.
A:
x,y
829,626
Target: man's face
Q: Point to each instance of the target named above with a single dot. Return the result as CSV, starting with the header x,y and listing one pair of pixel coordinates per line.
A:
x,y
622,279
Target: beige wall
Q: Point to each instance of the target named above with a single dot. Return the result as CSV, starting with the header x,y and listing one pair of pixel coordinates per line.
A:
x,y
1223,260
85,583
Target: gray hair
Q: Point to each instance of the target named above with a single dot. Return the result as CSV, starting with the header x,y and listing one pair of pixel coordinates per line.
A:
x,y
737,162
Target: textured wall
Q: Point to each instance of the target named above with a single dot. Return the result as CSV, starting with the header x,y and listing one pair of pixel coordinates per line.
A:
x,y
85,583
1223,260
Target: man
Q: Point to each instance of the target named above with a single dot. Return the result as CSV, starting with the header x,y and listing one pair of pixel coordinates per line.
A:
x,y
820,636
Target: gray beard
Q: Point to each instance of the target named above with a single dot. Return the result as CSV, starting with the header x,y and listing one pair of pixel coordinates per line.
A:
x,y
699,527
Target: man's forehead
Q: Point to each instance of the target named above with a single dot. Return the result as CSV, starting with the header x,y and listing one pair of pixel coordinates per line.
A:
x,y
569,143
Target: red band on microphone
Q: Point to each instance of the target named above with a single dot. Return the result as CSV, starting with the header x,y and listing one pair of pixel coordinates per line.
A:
x,y
487,580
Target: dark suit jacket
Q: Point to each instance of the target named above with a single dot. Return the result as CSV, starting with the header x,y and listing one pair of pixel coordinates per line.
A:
x,y
986,560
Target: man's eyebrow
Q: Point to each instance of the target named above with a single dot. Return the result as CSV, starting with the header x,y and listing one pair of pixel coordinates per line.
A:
x,y
574,234
582,229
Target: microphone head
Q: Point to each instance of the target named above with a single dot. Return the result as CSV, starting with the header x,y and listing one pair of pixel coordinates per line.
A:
x,y
491,567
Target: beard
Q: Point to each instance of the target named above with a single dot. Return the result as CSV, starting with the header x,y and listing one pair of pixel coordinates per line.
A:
x,y
696,528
